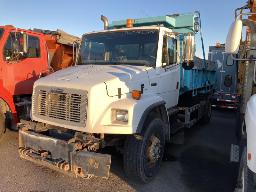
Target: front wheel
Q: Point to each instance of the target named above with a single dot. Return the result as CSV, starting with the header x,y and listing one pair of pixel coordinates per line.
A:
x,y
2,124
143,156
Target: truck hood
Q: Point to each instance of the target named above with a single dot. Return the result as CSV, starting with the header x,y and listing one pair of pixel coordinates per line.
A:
x,y
86,76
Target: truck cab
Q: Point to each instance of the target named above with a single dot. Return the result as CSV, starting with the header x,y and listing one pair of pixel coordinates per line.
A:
x,y
124,93
26,55
17,72
114,65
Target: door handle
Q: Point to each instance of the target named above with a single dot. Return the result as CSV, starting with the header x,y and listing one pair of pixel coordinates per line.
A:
x,y
153,84
177,85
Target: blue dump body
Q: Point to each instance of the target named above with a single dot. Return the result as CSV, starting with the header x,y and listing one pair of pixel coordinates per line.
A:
x,y
200,79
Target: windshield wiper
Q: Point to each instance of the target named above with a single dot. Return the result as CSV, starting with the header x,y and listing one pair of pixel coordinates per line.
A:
x,y
135,63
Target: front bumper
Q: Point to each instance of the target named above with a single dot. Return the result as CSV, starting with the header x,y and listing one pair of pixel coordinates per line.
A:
x,y
59,155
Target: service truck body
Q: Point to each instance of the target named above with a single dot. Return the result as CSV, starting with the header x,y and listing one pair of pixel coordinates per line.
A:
x,y
129,92
246,125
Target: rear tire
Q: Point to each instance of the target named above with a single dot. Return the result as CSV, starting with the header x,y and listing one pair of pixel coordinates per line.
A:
x,y
208,113
143,156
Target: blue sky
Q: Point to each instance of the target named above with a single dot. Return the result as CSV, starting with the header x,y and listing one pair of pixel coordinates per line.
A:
x,y
80,16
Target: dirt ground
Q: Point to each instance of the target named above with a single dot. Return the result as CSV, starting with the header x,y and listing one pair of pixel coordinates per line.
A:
x,y
200,165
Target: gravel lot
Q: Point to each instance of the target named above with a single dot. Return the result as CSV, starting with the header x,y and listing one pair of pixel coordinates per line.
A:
x,y
200,165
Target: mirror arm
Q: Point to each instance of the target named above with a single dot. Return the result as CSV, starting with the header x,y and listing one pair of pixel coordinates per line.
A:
x,y
254,75
240,9
241,14
238,59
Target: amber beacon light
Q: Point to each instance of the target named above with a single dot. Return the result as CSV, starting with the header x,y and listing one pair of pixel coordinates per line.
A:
x,y
129,23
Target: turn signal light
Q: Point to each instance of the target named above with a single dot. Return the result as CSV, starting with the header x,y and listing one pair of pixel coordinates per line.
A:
x,y
136,94
129,23
249,156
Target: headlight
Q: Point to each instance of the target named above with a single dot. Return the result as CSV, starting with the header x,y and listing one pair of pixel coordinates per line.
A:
x,y
119,116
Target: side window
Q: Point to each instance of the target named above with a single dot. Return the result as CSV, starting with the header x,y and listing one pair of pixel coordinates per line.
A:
x,y
33,47
169,52
229,60
13,46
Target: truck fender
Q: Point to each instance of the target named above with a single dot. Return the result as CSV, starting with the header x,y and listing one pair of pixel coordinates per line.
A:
x,y
250,122
158,107
7,99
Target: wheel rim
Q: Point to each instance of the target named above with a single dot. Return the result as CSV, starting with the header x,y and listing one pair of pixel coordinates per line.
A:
x,y
153,152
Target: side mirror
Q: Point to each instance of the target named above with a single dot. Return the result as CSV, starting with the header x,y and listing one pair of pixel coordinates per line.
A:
x,y
197,25
234,37
188,65
188,52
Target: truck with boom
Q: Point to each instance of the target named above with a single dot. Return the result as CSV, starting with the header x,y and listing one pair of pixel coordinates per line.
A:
x,y
26,55
136,87
243,52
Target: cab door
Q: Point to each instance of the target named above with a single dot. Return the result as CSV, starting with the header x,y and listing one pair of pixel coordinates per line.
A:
x,y
169,72
23,67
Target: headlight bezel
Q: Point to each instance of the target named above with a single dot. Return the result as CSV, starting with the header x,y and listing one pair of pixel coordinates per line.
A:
x,y
119,116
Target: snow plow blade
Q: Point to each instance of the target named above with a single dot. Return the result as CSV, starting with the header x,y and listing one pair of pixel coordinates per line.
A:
x,y
59,155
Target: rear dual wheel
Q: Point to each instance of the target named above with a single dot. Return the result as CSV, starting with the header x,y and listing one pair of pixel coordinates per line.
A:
x,y
143,156
208,113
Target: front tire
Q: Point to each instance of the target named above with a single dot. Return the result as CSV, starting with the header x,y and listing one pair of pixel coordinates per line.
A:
x,y
143,156
2,124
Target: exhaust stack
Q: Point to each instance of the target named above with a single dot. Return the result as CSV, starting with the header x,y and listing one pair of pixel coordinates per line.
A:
x,y
105,21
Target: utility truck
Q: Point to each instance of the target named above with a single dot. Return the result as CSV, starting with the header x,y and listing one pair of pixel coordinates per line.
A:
x,y
26,55
225,95
136,87
244,48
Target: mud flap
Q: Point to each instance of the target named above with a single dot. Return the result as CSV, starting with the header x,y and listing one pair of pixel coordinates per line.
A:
x,y
59,155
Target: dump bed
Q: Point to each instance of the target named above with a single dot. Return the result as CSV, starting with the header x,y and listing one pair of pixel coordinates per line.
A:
x,y
61,47
200,79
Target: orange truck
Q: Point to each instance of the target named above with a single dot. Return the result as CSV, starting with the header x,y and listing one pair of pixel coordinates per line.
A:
x,y
25,56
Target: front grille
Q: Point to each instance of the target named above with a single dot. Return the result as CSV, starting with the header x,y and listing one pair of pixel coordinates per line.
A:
x,y
68,107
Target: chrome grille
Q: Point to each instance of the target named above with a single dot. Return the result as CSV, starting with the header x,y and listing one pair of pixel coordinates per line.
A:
x,y
71,107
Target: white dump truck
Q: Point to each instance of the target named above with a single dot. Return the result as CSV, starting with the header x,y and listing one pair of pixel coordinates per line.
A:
x,y
137,85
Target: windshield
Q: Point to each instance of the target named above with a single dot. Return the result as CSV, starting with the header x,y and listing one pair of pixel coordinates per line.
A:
x,y
135,47
1,32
